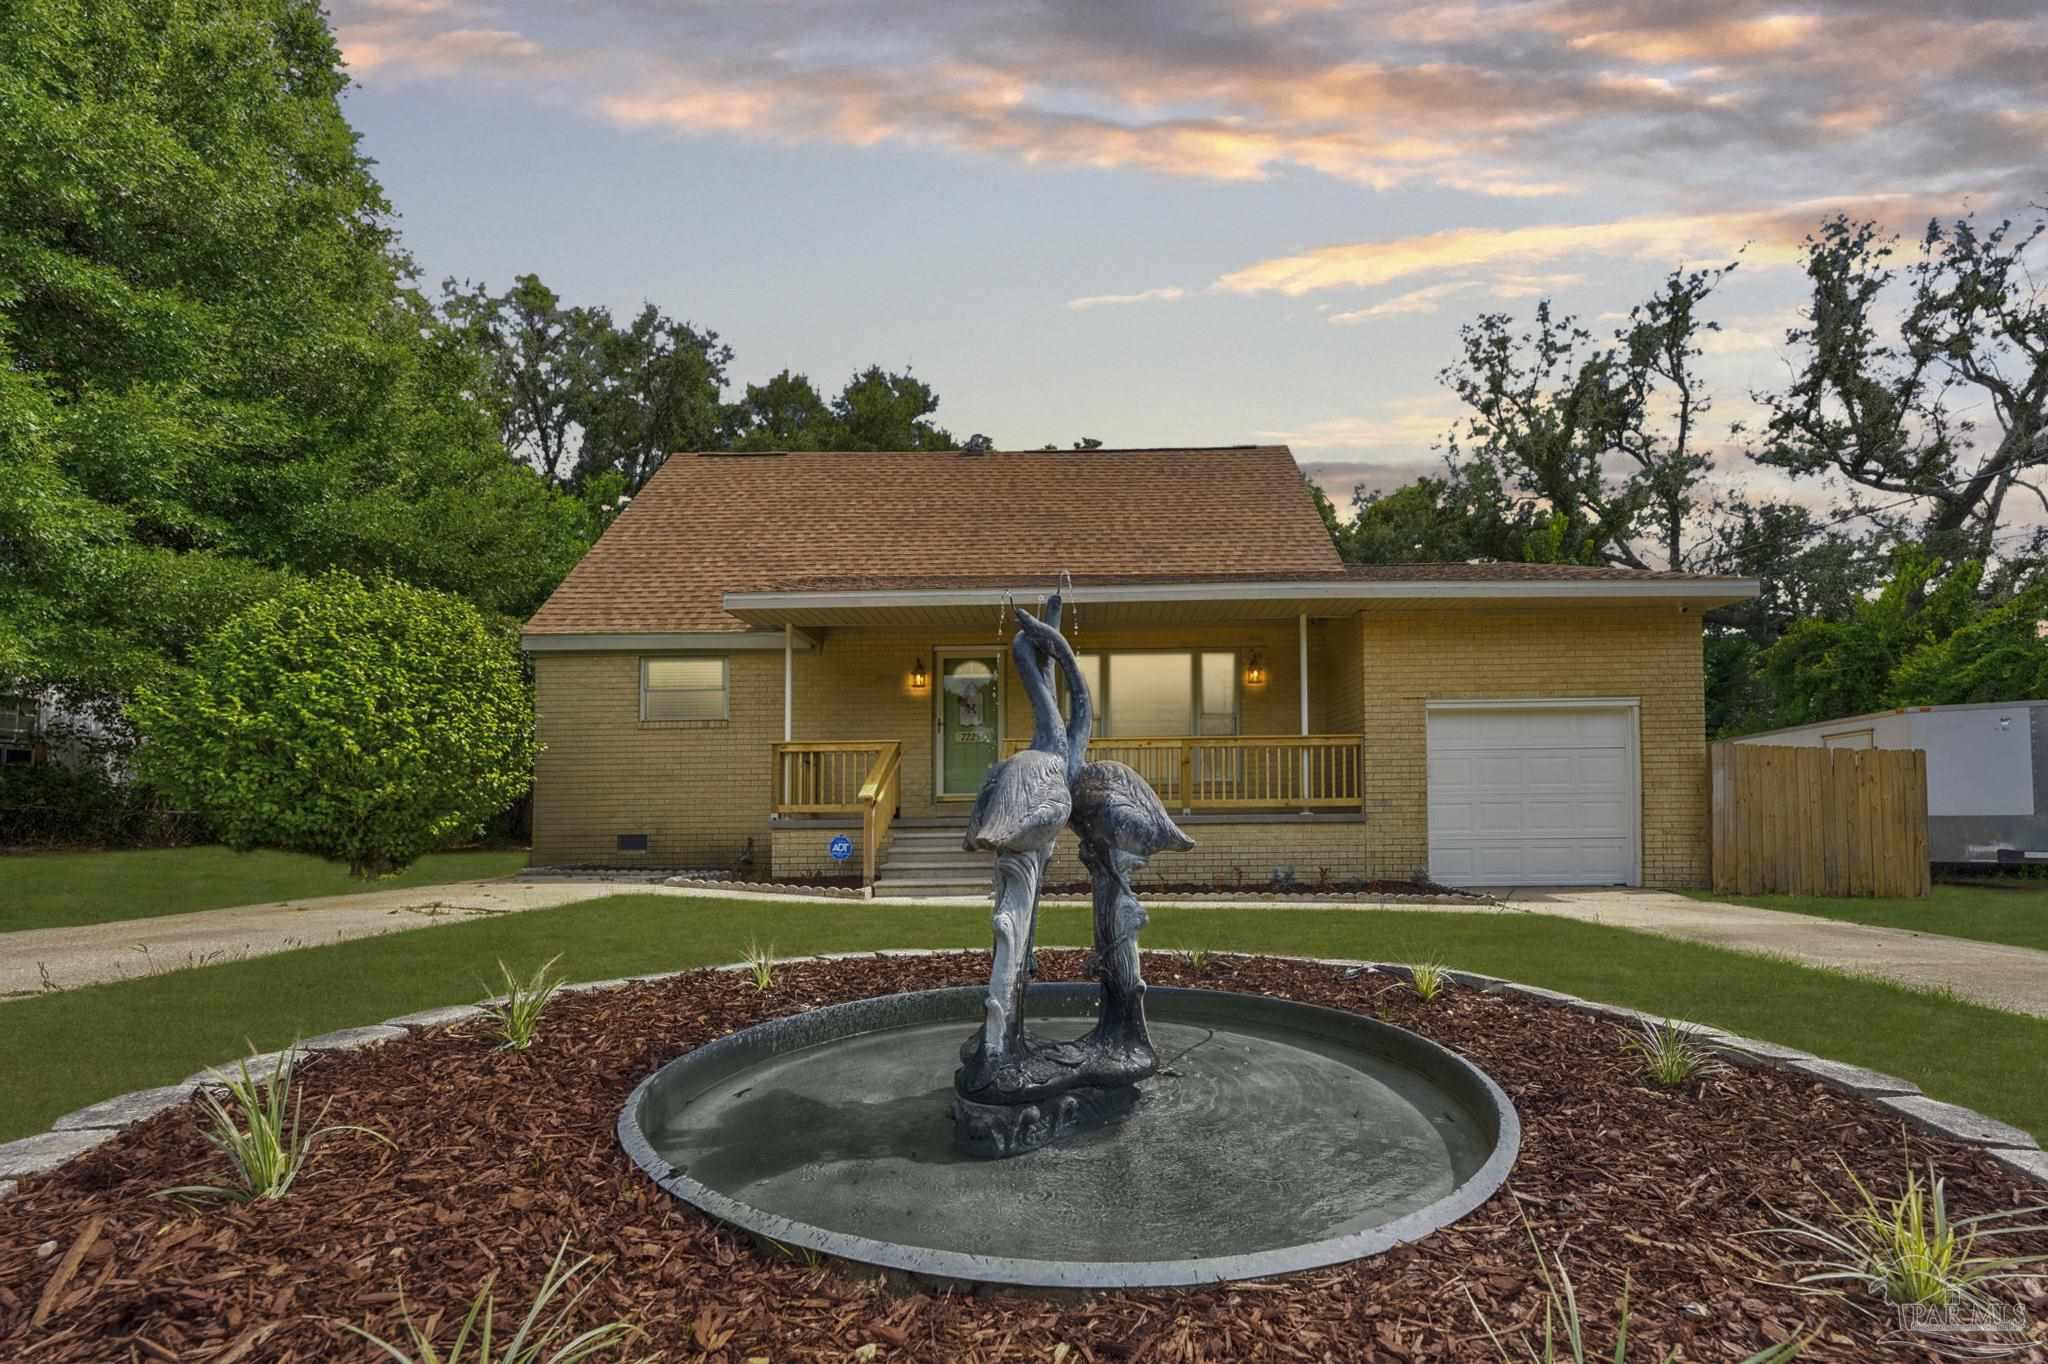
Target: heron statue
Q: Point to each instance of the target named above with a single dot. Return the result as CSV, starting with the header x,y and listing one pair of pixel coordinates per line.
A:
x,y
1015,1092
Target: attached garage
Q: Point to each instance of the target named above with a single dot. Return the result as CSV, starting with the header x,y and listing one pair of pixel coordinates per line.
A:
x,y
1534,793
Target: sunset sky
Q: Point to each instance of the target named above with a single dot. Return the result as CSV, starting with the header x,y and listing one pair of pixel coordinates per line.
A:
x,y
1190,221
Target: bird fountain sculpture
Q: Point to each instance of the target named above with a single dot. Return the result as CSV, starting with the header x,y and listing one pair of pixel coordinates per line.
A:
x,y
1015,1092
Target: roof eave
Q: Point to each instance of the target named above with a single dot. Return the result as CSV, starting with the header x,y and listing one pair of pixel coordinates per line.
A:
x,y
660,641
1702,592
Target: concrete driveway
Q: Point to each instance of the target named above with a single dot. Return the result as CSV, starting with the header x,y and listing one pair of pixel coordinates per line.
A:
x,y
2014,978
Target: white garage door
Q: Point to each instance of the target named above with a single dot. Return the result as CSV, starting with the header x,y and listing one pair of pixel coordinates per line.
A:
x,y
1533,796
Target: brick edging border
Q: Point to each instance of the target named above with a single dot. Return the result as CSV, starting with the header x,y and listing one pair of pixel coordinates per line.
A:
x,y
2012,1149
1166,899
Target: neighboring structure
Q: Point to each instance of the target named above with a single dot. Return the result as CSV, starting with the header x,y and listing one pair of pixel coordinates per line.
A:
x,y
1987,772
21,731
768,654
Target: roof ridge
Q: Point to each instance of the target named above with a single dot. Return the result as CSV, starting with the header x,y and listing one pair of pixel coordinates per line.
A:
x,y
983,454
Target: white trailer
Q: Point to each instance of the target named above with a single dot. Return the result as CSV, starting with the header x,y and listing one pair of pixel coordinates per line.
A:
x,y
1987,772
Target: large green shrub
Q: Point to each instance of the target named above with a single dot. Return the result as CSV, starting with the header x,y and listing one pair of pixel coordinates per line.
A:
x,y
370,723
1998,655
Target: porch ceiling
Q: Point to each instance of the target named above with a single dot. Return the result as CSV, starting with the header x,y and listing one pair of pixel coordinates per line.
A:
x,y
1170,603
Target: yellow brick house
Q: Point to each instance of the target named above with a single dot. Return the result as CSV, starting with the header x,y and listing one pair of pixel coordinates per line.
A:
x,y
797,664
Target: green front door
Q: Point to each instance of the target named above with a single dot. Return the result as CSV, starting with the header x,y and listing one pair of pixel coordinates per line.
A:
x,y
970,720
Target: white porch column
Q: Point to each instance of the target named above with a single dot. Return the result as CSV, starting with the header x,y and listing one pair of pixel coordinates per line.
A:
x,y
788,700
1302,634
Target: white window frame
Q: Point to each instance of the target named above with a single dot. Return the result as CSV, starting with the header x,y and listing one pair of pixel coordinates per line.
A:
x,y
21,718
724,689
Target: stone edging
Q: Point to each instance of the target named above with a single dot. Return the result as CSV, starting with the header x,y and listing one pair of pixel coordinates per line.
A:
x,y
1250,896
771,888
2011,1148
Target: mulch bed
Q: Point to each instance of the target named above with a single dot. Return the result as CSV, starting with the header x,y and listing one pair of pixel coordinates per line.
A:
x,y
501,1156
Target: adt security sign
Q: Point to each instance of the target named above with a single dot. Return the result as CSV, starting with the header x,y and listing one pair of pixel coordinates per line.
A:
x,y
841,848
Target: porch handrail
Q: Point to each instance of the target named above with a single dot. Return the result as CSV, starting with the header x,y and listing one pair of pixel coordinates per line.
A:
x,y
842,777
880,794
1242,771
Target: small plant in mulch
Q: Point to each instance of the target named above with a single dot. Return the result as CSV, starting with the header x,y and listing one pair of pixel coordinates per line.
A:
x,y
515,1015
1906,1250
1668,1055
1564,1328
1428,979
257,1125
1197,958
760,965
541,1338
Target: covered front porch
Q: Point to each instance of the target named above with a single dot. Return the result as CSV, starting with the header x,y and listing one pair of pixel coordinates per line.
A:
x,y
1236,711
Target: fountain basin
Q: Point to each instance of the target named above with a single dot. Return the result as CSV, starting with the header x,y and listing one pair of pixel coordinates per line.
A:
x,y
1277,1137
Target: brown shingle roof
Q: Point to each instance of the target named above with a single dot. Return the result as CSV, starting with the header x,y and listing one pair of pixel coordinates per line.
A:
x,y
712,523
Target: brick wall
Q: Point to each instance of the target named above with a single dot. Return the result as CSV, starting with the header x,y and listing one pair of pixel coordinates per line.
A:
x,y
701,792
801,851
1650,653
1344,678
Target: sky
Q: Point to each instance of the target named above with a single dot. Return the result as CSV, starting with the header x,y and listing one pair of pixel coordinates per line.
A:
x,y
1166,222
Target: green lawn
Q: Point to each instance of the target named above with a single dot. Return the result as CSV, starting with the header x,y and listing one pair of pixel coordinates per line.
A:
x,y
58,890
2018,916
65,1050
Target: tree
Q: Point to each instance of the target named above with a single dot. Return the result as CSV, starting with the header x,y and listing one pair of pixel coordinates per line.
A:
x,y
1664,403
369,723
1806,569
544,365
876,410
1895,411
1454,519
1998,654
576,396
1551,411
785,413
1825,669
659,388
213,372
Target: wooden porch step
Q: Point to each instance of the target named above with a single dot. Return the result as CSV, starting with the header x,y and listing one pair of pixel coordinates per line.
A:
x,y
953,859
949,844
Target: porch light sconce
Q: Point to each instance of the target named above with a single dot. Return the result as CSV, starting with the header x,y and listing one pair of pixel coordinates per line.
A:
x,y
919,678
1255,669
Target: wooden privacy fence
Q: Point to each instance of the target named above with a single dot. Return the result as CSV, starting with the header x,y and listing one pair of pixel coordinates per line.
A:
x,y
1817,821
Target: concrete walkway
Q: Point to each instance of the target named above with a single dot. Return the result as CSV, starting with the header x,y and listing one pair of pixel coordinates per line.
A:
x,y
40,959
2012,978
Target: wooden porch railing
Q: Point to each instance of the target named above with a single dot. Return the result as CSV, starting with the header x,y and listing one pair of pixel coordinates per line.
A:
x,y
879,796
1242,771
847,777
